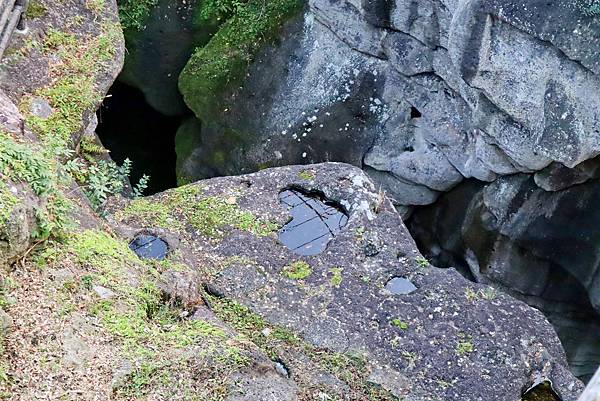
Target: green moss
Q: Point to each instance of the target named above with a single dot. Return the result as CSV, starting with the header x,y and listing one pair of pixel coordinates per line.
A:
x,y
8,201
74,93
336,278
297,271
208,214
307,175
36,10
222,63
465,347
148,328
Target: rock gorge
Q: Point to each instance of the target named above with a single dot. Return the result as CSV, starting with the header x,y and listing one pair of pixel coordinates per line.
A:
x,y
474,121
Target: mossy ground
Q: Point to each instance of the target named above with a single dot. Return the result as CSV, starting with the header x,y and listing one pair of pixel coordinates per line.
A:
x,y
73,94
208,215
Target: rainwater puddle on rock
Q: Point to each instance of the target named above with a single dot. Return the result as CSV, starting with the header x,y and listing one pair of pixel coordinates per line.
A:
x,y
400,286
541,392
149,247
315,221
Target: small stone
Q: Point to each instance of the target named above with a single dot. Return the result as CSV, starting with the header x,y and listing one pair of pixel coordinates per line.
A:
x,y
121,374
6,321
103,292
62,276
281,369
41,108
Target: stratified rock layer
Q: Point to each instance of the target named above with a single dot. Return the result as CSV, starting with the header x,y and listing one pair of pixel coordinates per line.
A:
x,y
419,93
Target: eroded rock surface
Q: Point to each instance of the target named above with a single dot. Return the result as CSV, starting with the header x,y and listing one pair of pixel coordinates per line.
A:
x,y
448,340
419,94
540,246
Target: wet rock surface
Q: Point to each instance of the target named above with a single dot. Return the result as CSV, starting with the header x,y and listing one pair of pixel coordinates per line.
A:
x,y
447,340
315,222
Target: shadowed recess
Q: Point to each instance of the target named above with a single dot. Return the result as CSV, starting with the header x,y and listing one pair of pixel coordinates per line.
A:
x,y
315,222
542,391
131,129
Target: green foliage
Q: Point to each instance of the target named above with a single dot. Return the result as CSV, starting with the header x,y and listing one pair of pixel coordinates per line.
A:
x,y
23,163
421,261
297,270
216,10
105,179
336,279
399,323
307,175
133,13
465,347
7,203
36,9
222,63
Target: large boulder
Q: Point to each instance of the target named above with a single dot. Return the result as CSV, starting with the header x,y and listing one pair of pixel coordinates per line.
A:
x,y
445,338
540,246
420,94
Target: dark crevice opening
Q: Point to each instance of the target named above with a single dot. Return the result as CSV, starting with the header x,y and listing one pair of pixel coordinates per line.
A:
x,y
131,129
415,113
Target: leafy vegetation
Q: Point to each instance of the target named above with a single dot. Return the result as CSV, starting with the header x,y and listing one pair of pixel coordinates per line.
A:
x,y
400,324
223,61
133,13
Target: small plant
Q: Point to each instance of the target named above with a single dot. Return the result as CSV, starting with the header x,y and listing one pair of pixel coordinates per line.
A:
x,y
399,323
133,13
465,347
421,261
87,282
471,295
297,271
138,190
488,293
336,279
307,175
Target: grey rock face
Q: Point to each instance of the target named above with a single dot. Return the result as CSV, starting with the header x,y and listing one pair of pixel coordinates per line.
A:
x,y
444,340
421,94
540,246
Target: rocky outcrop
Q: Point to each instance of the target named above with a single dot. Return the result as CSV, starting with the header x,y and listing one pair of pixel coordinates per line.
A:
x,y
448,339
538,245
158,52
420,94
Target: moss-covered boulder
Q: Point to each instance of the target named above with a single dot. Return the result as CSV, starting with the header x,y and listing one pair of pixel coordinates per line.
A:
x,y
221,65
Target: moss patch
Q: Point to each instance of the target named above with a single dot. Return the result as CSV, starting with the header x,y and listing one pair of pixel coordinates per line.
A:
x,y
148,329
210,215
222,63
36,9
297,271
